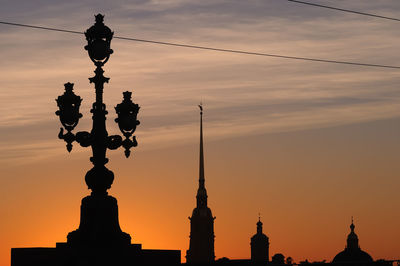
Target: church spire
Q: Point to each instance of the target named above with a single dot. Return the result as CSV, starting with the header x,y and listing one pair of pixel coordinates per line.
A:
x,y
201,192
259,225
352,225
201,245
201,161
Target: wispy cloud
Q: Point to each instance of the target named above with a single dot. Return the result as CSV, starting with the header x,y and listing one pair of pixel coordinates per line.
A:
x,y
242,94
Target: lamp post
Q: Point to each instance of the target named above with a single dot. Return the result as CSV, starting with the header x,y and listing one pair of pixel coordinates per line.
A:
x,y
99,223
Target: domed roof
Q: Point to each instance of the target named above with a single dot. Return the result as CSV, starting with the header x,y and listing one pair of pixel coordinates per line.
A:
x,y
259,236
352,252
348,255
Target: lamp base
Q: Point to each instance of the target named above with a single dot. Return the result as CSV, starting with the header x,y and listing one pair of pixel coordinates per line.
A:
x,y
99,225
65,255
99,241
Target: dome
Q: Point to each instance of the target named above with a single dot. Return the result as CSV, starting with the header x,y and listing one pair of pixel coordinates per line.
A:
x,y
348,255
352,252
259,236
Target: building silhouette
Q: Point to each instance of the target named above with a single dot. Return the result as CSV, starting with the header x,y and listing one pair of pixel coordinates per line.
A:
x,y
352,252
259,245
201,246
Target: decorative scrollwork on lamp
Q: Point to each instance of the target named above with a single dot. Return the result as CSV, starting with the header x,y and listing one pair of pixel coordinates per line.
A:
x,y
99,179
99,225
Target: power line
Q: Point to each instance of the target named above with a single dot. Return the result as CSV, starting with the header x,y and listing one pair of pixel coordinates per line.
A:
x,y
260,54
39,27
344,10
212,48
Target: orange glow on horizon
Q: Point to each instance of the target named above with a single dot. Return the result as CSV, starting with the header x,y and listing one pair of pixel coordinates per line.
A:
x,y
154,209
306,144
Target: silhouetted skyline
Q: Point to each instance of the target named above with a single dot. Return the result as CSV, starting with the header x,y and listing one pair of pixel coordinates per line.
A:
x,y
318,141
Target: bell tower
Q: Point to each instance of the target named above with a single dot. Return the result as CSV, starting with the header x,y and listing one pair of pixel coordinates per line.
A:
x,y
259,245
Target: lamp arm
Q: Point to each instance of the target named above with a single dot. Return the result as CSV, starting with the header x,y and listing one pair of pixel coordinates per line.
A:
x,y
84,138
114,142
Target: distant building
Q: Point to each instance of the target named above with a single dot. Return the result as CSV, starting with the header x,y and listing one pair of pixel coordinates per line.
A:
x,y
201,246
278,259
259,245
352,252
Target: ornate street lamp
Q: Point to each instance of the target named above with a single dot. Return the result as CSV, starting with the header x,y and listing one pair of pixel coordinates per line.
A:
x,y
69,104
99,40
99,212
127,113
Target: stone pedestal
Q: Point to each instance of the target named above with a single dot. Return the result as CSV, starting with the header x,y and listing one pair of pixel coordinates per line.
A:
x,y
99,225
99,241
65,255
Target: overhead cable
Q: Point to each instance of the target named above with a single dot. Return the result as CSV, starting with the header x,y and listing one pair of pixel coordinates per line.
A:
x,y
343,10
212,48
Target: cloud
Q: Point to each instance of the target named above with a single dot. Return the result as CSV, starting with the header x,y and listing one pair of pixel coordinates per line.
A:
x,y
242,94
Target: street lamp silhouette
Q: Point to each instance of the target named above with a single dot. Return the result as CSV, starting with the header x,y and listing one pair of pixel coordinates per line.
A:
x,y
99,240
68,104
99,212
99,40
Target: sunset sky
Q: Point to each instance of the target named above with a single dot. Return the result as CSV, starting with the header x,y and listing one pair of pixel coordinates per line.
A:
x,y
306,144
